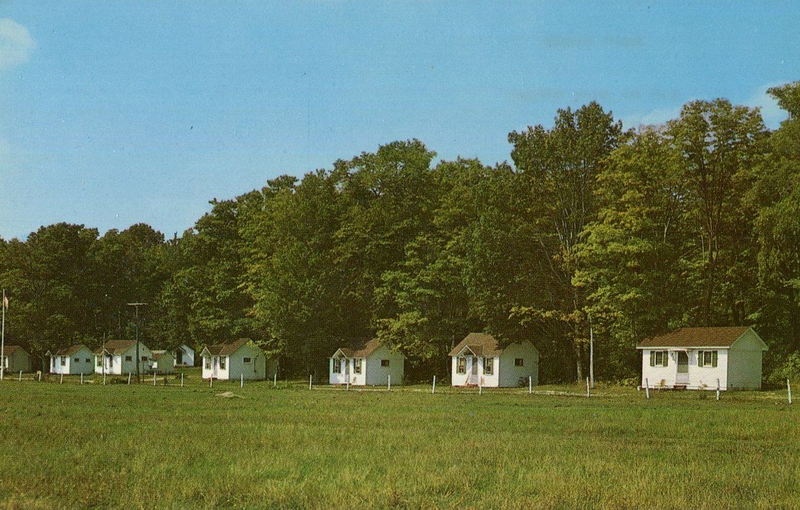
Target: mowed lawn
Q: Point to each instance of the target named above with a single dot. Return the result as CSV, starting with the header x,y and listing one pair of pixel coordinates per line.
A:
x,y
67,445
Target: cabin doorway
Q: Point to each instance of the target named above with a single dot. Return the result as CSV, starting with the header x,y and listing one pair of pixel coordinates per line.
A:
x,y
683,368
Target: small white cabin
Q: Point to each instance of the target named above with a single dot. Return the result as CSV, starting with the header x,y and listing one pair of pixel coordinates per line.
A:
x,y
479,360
184,356
163,363
16,359
118,357
73,360
234,360
369,363
703,358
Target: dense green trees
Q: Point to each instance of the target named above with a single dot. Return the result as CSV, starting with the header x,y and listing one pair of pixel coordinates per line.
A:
x,y
695,222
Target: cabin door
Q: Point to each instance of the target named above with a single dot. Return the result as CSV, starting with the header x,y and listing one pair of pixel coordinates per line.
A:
x,y
683,368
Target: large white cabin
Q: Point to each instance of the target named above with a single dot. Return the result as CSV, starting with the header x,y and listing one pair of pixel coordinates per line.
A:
x,y
72,360
369,363
703,358
479,360
239,359
118,357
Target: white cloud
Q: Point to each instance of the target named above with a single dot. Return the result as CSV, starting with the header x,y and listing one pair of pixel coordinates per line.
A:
x,y
770,111
16,43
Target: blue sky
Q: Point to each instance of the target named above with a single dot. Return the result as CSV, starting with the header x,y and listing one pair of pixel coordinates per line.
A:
x,y
112,113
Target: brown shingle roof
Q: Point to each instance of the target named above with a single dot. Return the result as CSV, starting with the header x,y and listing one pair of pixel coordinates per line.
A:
x,y
226,349
361,349
69,351
116,346
696,337
8,350
481,344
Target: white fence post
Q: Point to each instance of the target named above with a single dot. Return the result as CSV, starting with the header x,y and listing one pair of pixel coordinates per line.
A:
x,y
181,379
241,380
81,377
480,386
530,384
211,382
433,389
389,382
20,375
61,379
40,376
275,379
310,381
154,378
587,386
789,388
717,389
646,388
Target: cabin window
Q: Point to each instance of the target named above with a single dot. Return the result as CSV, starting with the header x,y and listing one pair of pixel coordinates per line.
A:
x,y
659,359
208,363
63,361
222,362
128,358
461,365
384,362
337,366
88,360
99,362
519,362
488,366
77,360
247,360
144,358
707,359
357,366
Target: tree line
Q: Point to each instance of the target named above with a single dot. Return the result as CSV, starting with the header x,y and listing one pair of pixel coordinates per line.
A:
x,y
629,233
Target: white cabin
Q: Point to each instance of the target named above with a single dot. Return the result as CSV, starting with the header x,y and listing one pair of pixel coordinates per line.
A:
x,y
162,363
184,356
16,359
118,357
478,360
241,358
703,359
73,360
367,364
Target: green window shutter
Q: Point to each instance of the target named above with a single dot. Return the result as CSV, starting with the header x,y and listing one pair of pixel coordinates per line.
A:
x,y
665,357
713,358
699,358
652,358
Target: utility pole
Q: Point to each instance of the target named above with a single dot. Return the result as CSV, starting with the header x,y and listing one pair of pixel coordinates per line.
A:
x,y
591,353
138,358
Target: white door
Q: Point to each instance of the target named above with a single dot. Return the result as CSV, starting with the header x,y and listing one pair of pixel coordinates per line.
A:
x,y
682,377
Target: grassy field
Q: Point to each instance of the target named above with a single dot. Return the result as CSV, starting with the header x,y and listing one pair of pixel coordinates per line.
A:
x,y
66,445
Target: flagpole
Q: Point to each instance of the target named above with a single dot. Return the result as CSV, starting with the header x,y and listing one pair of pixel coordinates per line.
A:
x,y
3,339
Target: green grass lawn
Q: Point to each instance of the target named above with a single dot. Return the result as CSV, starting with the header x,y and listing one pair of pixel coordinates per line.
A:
x,y
67,445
